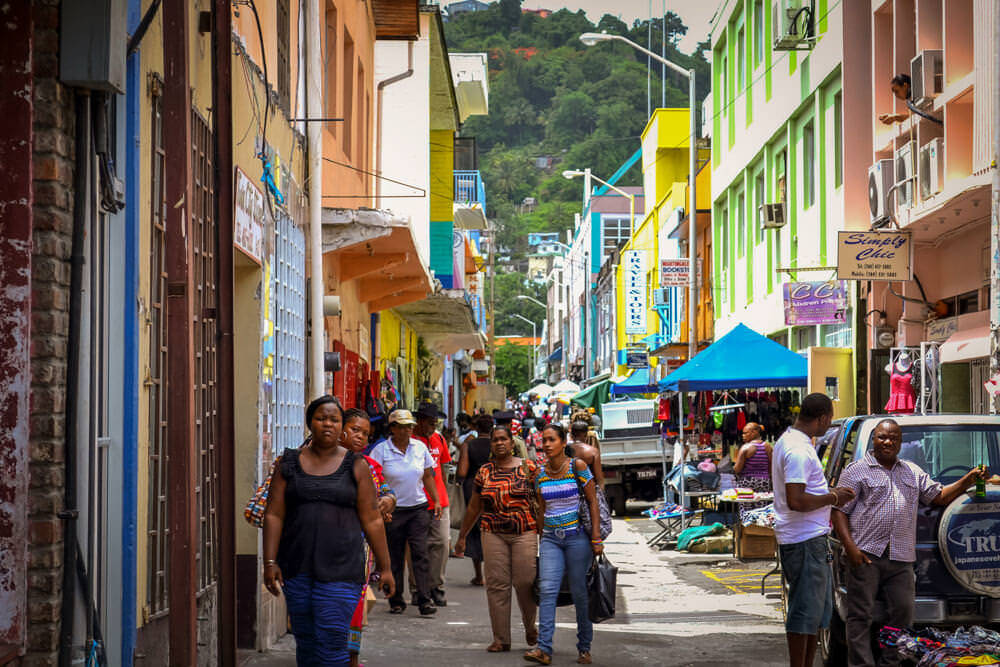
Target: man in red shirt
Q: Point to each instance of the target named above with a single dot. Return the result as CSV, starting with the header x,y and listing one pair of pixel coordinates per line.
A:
x,y
439,537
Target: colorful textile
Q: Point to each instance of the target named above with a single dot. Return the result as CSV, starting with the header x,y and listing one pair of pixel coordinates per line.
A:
x,y
320,614
562,497
507,495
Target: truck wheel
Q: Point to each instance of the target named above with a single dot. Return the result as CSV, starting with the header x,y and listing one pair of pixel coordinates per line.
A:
x,y
616,499
833,642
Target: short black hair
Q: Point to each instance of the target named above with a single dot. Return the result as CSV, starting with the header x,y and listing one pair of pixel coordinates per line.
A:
x,y
463,418
815,406
502,427
484,424
558,428
578,426
888,420
322,400
356,413
900,80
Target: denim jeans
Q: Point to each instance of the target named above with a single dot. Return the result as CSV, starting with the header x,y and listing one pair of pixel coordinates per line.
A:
x,y
573,554
320,613
810,585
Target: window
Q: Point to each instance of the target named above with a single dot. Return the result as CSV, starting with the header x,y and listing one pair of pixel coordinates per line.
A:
x,y
805,337
283,26
741,224
808,165
758,32
724,84
615,234
724,232
362,152
946,451
741,59
838,139
758,201
331,66
347,102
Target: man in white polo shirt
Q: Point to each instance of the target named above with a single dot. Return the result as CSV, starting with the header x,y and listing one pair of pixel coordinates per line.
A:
x,y
802,502
409,469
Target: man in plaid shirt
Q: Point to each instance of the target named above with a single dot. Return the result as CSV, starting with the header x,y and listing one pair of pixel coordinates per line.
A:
x,y
878,531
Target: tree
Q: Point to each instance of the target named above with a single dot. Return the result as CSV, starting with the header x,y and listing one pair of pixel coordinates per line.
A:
x,y
512,365
509,286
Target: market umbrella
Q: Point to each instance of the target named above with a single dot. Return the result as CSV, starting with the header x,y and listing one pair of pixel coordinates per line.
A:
x,y
566,387
541,390
593,396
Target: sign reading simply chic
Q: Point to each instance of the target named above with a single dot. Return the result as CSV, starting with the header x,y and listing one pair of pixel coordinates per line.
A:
x,y
634,270
874,256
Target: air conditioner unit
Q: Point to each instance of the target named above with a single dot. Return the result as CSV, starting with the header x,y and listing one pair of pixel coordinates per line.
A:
x,y
926,76
660,296
905,173
772,216
880,181
931,172
792,22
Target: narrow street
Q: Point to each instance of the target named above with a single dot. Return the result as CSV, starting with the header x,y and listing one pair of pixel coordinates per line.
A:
x,y
677,609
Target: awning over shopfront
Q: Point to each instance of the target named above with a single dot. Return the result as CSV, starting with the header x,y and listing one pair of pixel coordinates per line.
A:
x,y
445,321
966,345
593,396
556,356
377,249
742,359
637,382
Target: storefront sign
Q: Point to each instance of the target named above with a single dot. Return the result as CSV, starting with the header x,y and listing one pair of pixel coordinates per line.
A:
x,y
938,331
815,303
874,256
634,267
675,272
637,359
969,539
248,221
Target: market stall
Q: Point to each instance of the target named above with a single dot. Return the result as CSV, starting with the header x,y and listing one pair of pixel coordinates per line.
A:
x,y
638,382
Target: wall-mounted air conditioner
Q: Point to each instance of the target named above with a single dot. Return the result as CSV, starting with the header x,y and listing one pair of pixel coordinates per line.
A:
x,y
905,173
926,76
660,297
772,216
931,175
792,22
880,181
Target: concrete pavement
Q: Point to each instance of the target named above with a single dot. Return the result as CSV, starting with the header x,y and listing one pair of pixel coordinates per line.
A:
x,y
673,609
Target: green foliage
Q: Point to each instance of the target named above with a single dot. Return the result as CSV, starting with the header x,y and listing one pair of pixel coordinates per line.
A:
x,y
513,368
509,286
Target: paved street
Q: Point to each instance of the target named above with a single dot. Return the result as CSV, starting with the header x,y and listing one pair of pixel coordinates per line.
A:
x,y
673,609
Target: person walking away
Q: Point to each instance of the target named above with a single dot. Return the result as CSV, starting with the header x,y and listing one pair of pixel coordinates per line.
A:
x,y
503,502
878,530
564,547
475,452
322,507
753,465
802,503
580,448
409,469
439,536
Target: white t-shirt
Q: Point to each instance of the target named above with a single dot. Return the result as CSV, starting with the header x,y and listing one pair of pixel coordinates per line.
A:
x,y
404,471
794,461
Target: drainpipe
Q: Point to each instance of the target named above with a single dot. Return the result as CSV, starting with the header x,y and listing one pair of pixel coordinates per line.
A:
x,y
382,85
314,137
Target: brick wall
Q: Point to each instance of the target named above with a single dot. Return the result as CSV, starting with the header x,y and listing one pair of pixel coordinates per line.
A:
x,y
51,238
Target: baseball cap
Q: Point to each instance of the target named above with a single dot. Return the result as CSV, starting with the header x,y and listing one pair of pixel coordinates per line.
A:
x,y
402,417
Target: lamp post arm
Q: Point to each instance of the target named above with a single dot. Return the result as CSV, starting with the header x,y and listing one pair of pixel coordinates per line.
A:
x,y
655,56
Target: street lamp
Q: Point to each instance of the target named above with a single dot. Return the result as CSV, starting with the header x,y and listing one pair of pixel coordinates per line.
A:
x,y
570,174
525,297
534,337
591,38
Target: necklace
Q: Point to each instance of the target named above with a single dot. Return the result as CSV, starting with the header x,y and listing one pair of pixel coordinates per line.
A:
x,y
552,472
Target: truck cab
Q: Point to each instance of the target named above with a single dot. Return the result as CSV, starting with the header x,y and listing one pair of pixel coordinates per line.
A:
x,y
631,452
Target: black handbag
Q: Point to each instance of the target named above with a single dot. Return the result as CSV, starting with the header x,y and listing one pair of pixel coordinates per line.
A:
x,y
602,581
563,599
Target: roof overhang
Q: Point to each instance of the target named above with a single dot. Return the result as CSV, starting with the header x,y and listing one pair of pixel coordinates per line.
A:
x,y
443,102
470,216
445,321
377,249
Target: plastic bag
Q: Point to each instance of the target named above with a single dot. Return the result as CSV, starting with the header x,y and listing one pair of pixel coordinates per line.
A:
x,y
602,581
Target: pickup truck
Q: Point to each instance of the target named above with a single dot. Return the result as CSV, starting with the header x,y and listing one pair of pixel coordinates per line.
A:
x,y
946,446
631,453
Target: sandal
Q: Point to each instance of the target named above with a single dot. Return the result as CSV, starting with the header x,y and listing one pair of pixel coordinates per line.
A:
x,y
397,608
497,647
584,658
476,581
537,655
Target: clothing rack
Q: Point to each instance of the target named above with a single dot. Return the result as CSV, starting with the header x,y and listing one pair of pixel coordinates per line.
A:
x,y
726,405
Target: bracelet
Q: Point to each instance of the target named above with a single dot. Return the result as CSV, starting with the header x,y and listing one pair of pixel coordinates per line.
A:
x,y
597,541
270,562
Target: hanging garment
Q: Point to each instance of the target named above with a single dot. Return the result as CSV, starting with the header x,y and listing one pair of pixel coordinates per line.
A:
x,y
902,398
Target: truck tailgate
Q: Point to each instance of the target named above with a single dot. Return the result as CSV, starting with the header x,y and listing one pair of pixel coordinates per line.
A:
x,y
617,452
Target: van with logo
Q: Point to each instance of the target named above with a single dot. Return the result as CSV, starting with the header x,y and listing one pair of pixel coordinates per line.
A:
x,y
958,546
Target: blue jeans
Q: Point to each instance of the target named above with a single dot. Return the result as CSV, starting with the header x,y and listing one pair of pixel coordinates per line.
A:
x,y
320,613
571,554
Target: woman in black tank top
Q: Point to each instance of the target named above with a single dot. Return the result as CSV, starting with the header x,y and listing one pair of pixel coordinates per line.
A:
x,y
475,452
322,505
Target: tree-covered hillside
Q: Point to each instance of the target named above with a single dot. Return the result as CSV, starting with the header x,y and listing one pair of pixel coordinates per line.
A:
x,y
556,104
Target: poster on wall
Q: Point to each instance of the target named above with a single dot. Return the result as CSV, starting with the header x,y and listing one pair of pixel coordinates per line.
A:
x,y
675,272
248,218
634,269
816,303
874,256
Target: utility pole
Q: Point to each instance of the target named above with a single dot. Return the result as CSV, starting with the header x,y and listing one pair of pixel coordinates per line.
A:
x,y
995,221
493,311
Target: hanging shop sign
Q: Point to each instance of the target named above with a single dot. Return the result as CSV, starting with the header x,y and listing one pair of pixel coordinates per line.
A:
x,y
634,266
675,272
637,359
815,303
874,256
248,221
969,539
940,330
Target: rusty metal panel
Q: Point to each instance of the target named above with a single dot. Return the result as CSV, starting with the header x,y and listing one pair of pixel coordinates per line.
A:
x,y
15,314
396,19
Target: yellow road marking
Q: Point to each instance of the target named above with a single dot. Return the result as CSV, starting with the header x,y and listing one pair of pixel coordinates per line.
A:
x,y
740,581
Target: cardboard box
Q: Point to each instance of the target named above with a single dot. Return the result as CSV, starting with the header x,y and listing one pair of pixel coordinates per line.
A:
x,y
756,542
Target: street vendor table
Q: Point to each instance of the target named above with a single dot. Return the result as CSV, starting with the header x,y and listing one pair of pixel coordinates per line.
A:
x,y
738,524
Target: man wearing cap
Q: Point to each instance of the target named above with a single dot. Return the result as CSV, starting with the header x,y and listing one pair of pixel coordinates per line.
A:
x,y
439,534
409,469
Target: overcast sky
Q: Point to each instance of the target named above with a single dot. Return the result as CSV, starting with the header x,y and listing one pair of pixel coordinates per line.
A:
x,y
696,14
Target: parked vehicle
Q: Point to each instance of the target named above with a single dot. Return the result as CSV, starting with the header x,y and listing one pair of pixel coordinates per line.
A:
x,y
947,447
631,452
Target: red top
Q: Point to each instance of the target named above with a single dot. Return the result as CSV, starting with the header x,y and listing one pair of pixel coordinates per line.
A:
x,y
438,448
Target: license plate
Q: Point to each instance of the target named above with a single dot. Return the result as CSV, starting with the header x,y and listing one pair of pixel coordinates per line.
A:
x,y
645,474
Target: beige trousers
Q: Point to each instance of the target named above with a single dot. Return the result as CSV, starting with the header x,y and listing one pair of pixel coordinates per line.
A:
x,y
509,563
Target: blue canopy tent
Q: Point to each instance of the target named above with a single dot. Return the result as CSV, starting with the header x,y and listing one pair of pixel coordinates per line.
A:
x,y
636,383
742,359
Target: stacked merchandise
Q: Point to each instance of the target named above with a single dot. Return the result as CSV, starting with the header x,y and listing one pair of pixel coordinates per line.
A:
x,y
760,517
934,647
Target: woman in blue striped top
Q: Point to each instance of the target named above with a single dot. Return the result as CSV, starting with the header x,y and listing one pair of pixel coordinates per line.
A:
x,y
564,546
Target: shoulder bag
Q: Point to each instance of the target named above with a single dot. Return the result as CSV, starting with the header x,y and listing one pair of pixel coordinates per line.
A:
x,y
584,508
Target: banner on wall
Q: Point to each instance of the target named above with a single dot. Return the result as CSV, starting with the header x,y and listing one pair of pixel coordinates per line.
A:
x,y
815,303
634,268
874,256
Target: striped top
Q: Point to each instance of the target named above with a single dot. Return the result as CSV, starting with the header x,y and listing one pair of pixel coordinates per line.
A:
x,y
562,497
758,465
506,494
